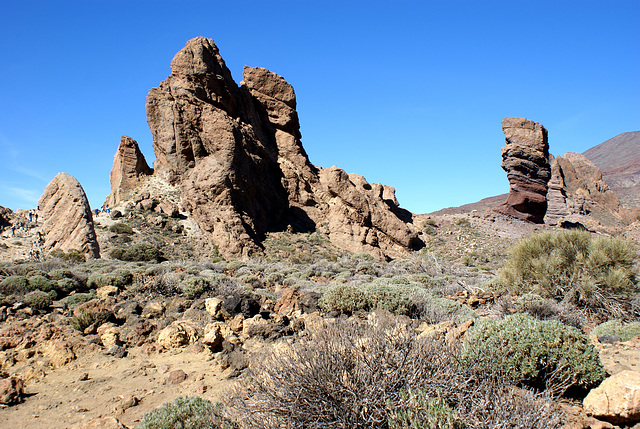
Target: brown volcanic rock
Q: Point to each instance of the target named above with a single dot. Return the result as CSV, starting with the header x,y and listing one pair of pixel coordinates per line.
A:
x,y
68,223
129,167
525,158
577,188
235,153
5,217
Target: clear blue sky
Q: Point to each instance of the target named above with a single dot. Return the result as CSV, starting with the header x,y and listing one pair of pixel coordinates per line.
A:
x,y
409,93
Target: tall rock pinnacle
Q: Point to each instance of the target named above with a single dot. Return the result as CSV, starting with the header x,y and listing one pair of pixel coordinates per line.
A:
x,y
525,158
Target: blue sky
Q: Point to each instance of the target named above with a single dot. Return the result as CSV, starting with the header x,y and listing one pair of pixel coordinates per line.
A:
x,y
409,94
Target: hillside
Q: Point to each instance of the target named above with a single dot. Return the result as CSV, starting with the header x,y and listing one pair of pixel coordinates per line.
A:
x,y
619,160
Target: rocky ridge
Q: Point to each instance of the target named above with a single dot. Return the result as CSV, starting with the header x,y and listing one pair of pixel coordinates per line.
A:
x,y
236,155
67,220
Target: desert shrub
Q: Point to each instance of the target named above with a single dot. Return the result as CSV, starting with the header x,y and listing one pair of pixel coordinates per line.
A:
x,y
544,309
343,297
596,274
541,354
121,228
14,285
78,298
74,256
345,375
39,282
137,253
192,287
433,309
66,285
83,320
418,409
119,278
618,328
186,413
38,299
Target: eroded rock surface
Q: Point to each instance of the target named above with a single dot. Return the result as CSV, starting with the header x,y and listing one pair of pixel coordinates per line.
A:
x,y
525,158
617,399
129,168
577,189
235,152
68,223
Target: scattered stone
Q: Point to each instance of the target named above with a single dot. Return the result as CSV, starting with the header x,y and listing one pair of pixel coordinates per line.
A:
x,y
102,423
617,399
178,334
105,291
68,223
176,377
213,337
215,307
11,390
116,351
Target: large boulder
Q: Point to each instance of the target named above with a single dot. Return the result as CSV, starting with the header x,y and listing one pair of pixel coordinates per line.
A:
x,y
129,168
577,189
236,155
525,158
617,399
5,217
68,223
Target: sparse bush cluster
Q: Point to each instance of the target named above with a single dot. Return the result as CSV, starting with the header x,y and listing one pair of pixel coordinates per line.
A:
x,y
137,253
351,374
542,354
186,413
617,328
570,266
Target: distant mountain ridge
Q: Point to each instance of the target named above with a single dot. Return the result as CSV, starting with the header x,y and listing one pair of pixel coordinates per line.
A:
x,y
619,160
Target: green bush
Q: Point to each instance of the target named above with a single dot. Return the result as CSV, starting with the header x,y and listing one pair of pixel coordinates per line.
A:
x,y
136,253
14,285
186,413
83,320
534,352
417,409
40,282
119,278
38,299
595,273
66,285
121,228
193,287
73,255
77,298
624,331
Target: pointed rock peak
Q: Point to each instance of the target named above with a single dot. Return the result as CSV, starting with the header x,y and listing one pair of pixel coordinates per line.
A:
x,y
199,56
68,224
129,167
270,84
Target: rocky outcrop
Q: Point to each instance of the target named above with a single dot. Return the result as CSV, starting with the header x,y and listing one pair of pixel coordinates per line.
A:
x,y
236,155
68,224
129,168
577,189
5,217
525,158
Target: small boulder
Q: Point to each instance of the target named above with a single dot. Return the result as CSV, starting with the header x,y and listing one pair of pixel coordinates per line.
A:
x,y
617,399
11,390
213,336
215,307
176,377
105,291
178,334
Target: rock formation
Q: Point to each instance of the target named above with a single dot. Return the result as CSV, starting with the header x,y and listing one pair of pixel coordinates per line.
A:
x,y
129,167
68,224
5,217
576,188
525,158
235,152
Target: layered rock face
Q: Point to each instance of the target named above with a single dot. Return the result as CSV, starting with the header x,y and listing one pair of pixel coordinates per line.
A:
x,y
525,158
235,153
68,224
129,168
577,188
